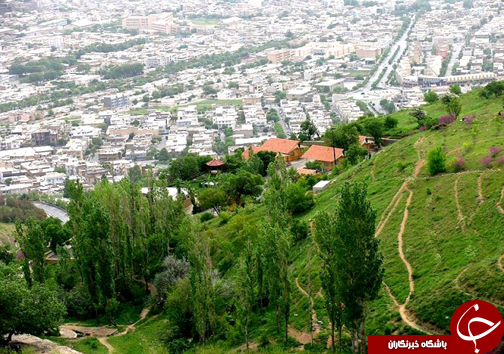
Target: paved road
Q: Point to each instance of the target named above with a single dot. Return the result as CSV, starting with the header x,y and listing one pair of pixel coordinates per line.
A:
x,y
53,211
455,54
401,43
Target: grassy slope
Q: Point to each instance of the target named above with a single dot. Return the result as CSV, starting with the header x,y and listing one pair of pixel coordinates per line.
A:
x,y
7,233
453,261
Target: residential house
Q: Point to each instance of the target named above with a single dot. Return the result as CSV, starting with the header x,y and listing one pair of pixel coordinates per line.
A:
x,y
328,156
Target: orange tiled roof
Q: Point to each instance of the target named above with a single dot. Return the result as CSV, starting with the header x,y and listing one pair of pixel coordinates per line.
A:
x,y
282,146
362,139
246,152
322,153
307,171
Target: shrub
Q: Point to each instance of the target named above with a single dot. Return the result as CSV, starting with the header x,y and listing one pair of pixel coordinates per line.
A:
x,y
500,160
206,216
224,217
486,161
299,229
298,199
390,122
428,191
422,128
494,151
468,120
447,119
436,161
459,164
467,146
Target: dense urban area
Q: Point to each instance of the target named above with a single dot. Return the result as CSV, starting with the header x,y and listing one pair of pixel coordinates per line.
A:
x,y
187,175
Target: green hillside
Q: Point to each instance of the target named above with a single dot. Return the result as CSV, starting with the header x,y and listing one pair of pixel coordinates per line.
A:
x,y
441,238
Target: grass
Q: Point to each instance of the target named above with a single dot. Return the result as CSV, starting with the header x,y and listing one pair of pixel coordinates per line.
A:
x,y
205,22
145,338
7,233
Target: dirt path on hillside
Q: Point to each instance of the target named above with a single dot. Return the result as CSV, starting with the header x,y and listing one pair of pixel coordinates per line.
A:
x,y
103,333
499,262
468,291
460,215
400,246
315,324
499,204
389,210
104,342
405,316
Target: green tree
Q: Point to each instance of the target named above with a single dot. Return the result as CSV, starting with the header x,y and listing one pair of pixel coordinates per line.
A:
x,y
455,89
212,198
33,244
308,131
202,288
184,168
436,161
420,115
353,251
431,96
327,239
272,115
163,155
341,136
36,310
244,289
299,199
355,154
243,183
452,104
374,127
135,174
390,122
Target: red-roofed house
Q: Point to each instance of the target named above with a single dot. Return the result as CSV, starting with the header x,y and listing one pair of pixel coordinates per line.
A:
x,y
366,143
289,149
324,154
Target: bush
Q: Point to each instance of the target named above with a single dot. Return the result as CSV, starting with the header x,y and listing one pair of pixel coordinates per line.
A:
x,y
299,229
459,164
486,161
314,165
447,119
390,122
206,216
224,217
494,151
436,161
298,199
500,160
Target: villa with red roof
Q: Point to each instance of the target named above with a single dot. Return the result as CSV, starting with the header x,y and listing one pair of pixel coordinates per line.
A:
x,y
328,156
290,149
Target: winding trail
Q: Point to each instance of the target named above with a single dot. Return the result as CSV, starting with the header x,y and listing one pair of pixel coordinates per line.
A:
x,y
499,263
499,204
305,337
460,215
103,333
398,196
405,316
104,342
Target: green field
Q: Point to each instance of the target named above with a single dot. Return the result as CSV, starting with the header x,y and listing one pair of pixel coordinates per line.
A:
x,y
205,22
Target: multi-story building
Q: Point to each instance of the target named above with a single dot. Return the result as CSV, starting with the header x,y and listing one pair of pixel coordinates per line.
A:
x,y
117,101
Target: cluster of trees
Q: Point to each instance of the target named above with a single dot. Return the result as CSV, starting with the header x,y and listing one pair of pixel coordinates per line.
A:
x,y
13,210
38,71
108,48
122,71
